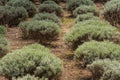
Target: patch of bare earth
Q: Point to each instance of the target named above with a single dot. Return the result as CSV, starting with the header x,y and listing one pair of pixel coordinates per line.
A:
x,y
71,69
15,39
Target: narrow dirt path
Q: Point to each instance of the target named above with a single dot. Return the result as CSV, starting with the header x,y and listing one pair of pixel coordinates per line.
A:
x,y
71,70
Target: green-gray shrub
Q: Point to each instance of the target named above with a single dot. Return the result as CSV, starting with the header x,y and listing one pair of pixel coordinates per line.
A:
x,y
103,1
97,22
83,9
29,77
51,8
12,16
28,5
84,17
35,61
86,31
105,70
18,14
48,2
48,17
4,46
41,30
93,50
57,1
2,30
112,12
73,4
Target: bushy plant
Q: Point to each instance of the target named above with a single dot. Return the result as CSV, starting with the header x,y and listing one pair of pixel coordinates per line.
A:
x,y
103,1
83,9
57,1
73,4
32,61
3,46
3,41
86,31
2,30
28,5
48,17
51,8
12,16
41,30
93,50
84,17
97,22
105,69
4,12
48,2
18,14
29,77
112,12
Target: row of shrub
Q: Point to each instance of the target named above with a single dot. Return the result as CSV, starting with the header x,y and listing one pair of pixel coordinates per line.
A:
x,y
16,11
3,2
12,16
57,1
28,5
77,7
34,60
3,41
103,1
91,30
112,12
101,58
95,41
51,7
44,26
89,27
92,52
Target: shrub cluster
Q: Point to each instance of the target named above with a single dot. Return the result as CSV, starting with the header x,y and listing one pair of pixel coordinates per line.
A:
x,y
73,4
51,8
84,17
112,12
105,70
3,42
83,9
86,31
103,1
40,30
29,77
93,50
33,59
2,31
57,1
12,16
47,17
28,5
3,46
48,2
